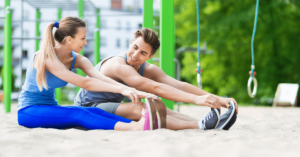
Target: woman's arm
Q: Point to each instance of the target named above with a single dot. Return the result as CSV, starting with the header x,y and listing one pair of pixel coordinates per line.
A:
x,y
92,84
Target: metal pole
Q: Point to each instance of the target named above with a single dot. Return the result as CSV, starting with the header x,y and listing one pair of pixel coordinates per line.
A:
x,y
21,45
59,14
58,90
7,57
167,41
97,39
37,29
80,13
148,17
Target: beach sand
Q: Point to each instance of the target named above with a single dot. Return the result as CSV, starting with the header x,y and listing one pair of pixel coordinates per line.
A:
x,y
258,131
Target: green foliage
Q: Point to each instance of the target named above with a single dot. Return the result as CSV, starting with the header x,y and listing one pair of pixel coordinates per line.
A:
x,y
227,28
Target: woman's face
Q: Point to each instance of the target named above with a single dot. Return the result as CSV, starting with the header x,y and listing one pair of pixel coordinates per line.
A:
x,y
79,40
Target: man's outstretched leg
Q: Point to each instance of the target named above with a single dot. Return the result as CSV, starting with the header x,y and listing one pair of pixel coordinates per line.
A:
x,y
175,120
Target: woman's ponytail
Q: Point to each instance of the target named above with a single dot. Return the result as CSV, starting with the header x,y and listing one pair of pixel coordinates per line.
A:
x,y
46,51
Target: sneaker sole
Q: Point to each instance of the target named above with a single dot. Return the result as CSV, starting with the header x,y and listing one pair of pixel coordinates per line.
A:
x,y
152,111
161,113
230,117
230,123
218,114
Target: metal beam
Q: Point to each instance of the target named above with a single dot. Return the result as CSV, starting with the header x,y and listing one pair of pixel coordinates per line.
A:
x,y
80,14
37,38
148,17
97,39
167,39
58,90
37,29
7,57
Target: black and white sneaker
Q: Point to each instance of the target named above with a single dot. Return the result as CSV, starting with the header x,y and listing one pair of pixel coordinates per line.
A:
x,y
211,120
229,118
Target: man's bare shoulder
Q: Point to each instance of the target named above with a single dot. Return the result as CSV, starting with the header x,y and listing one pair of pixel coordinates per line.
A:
x,y
115,61
152,71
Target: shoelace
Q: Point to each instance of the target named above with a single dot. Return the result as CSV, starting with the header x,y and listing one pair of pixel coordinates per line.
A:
x,y
207,117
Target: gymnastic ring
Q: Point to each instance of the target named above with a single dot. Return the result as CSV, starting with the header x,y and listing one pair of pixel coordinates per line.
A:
x,y
252,94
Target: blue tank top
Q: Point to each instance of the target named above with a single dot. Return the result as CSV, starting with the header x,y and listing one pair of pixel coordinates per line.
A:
x,y
31,95
88,98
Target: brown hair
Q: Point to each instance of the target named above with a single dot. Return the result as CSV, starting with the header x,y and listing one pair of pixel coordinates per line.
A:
x,y
150,37
68,26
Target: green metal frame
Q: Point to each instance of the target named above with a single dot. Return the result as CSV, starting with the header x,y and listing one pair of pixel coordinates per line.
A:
x,y
80,15
167,39
97,38
37,29
7,57
148,17
58,90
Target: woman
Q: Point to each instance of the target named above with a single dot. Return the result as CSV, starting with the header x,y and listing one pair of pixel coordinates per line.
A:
x,y
51,67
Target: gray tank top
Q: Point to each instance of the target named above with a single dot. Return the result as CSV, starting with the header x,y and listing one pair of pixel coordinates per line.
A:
x,y
88,98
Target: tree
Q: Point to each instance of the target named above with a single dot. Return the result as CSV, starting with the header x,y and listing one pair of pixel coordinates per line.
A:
x,y
227,28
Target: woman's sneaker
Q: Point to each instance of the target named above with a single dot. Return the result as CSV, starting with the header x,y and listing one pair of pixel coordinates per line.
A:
x,y
229,118
161,114
149,114
211,120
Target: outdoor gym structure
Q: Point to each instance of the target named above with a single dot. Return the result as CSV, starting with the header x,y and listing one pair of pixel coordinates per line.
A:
x,y
167,36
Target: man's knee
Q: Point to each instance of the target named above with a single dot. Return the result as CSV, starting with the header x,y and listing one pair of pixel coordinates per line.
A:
x,y
171,112
130,111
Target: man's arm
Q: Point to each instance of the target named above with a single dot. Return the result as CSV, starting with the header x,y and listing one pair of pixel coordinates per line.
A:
x,y
155,73
130,76
86,66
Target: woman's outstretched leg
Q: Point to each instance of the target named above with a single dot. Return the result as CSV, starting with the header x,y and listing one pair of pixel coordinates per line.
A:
x,y
63,117
103,113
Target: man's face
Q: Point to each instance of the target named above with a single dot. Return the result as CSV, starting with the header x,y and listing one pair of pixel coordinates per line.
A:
x,y
139,52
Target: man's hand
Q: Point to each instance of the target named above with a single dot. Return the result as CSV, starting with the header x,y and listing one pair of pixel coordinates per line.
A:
x,y
136,95
207,100
225,103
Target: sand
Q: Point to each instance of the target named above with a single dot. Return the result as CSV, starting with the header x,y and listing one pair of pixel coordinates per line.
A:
x,y
258,132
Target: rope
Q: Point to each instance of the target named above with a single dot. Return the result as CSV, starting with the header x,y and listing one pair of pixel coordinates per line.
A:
x,y
198,47
252,73
253,35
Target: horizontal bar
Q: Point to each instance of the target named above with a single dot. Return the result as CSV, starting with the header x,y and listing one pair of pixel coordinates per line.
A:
x,y
109,15
26,38
16,21
156,27
37,38
2,17
155,59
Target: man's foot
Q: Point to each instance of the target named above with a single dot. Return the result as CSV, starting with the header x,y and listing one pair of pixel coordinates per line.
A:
x,y
161,114
211,120
228,119
149,114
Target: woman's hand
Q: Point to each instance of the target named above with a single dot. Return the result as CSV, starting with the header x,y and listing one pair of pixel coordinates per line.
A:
x,y
207,100
136,95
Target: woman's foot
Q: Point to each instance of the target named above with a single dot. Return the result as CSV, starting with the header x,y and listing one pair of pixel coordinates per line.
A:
x,y
149,114
161,114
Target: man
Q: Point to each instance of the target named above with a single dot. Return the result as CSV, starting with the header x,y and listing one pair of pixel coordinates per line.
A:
x,y
132,69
